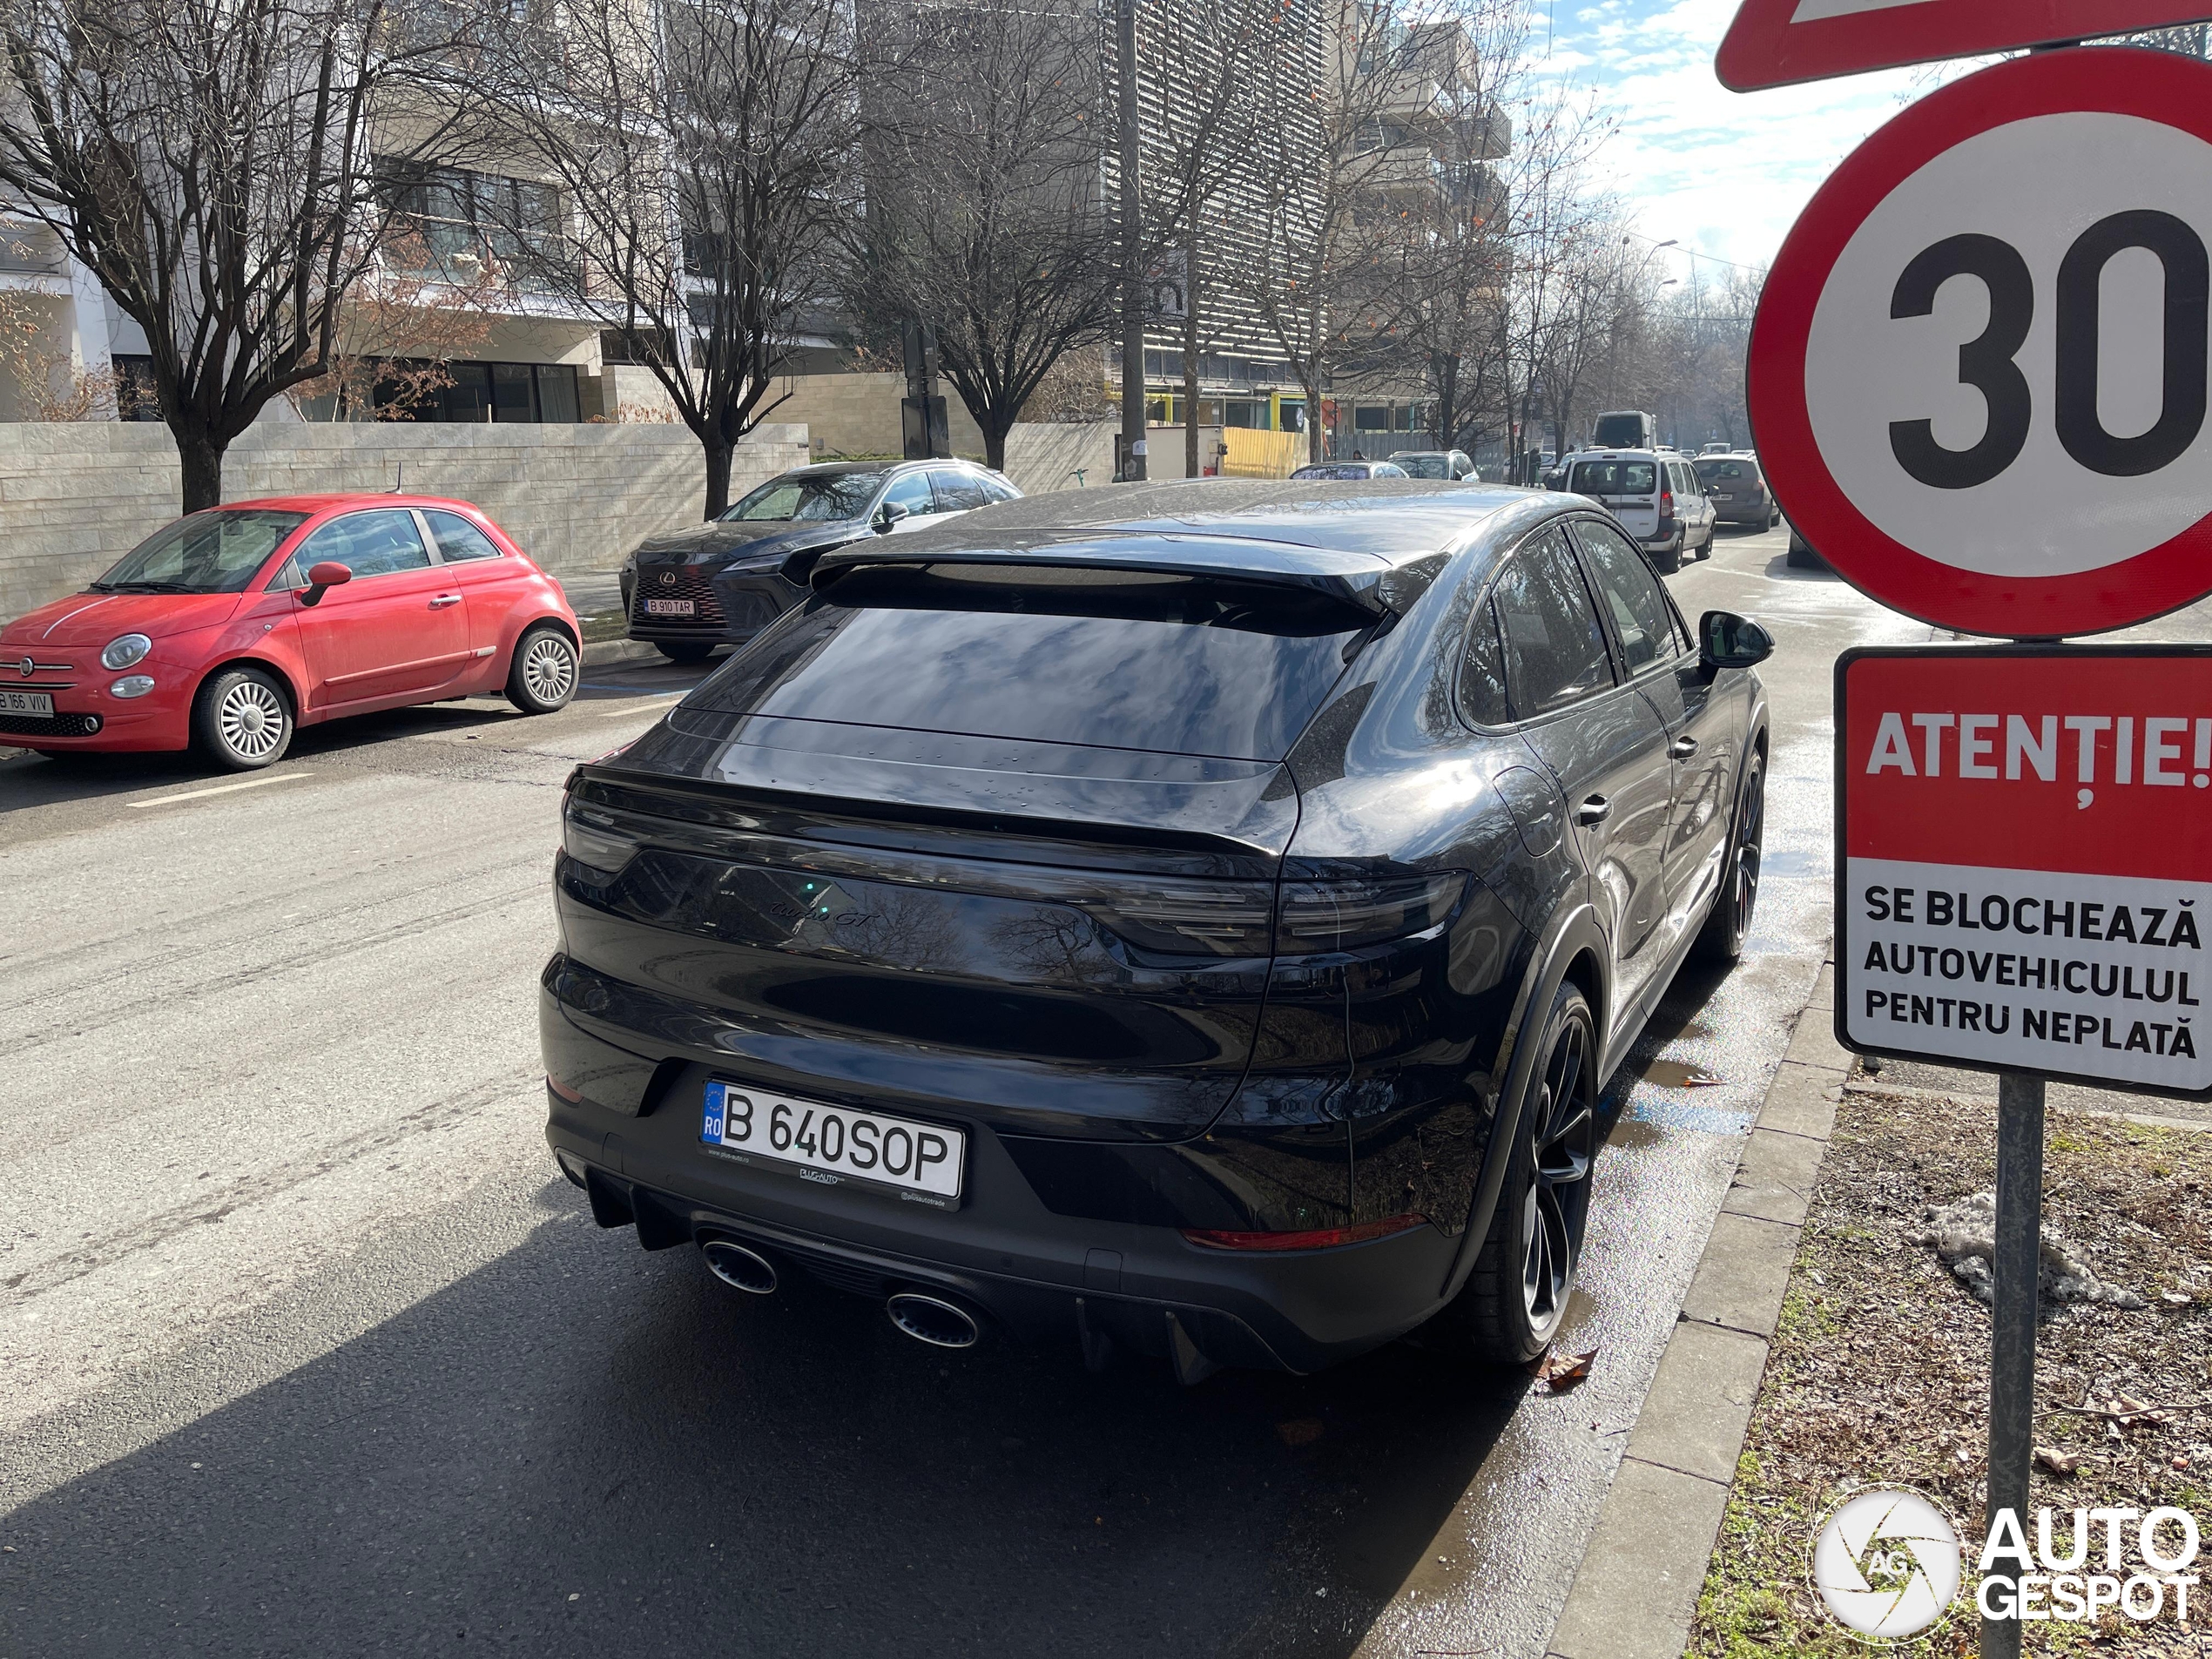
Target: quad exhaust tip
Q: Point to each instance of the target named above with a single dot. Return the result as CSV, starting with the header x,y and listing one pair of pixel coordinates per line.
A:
x,y
746,1270
933,1320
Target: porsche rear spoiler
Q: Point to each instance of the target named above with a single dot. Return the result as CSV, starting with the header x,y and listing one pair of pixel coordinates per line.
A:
x,y
1360,580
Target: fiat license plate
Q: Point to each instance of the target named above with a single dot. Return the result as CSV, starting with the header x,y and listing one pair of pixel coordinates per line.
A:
x,y
670,607
27,703
832,1145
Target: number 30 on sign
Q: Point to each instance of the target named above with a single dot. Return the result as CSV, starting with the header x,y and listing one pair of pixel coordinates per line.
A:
x,y
1979,371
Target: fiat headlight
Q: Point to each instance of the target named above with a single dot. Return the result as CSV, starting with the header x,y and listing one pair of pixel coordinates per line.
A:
x,y
123,651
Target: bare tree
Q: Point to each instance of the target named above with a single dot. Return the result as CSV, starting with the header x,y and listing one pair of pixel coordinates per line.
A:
x,y
212,162
400,330
1492,136
984,216
1327,278
1216,71
704,154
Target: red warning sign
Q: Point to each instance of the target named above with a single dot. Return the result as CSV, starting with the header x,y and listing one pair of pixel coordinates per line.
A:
x,y
2026,879
1775,43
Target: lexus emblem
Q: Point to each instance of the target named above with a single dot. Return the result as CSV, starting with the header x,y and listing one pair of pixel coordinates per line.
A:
x,y
26,668
667,580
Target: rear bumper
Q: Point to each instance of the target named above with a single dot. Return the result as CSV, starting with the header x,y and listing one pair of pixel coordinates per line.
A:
x,y
1040,1275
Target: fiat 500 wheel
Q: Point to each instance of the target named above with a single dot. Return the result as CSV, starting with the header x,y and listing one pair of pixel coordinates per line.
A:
x,y
242,719
544,673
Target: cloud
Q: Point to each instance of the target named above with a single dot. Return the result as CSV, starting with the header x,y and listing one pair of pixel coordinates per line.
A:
x,y
1725,174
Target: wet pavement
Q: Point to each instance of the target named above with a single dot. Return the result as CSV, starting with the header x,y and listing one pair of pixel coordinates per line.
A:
x,y
304,1348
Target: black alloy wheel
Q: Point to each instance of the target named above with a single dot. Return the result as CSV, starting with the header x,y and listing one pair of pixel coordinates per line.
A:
x,y
1721,940
1564,1129
1515,1298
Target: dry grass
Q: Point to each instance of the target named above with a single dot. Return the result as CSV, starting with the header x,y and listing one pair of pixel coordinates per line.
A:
x,y
1879,1374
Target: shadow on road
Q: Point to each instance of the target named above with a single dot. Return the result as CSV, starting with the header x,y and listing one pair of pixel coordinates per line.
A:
x,y
583,1449
1778,569
29,779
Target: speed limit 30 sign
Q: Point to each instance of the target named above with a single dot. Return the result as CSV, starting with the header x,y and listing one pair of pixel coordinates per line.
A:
x,y
1979,373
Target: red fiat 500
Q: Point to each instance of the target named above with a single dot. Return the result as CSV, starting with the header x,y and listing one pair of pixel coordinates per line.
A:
x,y
228,629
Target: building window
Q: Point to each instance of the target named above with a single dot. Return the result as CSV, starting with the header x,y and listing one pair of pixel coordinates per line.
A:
x,y
1372,417
635,347
135,396
453,224
543,394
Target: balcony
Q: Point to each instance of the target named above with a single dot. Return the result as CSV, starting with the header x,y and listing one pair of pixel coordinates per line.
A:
x,y
531,265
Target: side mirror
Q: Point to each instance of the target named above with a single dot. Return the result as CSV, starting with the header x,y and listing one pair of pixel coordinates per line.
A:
x,y
1726,640
322,577
887,516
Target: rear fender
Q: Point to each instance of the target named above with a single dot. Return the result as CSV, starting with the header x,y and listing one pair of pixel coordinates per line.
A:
x,y
1576,931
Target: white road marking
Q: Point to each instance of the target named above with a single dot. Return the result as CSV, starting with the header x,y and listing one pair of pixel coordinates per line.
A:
x,y
220,789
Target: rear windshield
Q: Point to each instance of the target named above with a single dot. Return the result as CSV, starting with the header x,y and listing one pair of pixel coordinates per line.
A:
x,y
1618,430
1114,660
1720,472
1603,478
1424,466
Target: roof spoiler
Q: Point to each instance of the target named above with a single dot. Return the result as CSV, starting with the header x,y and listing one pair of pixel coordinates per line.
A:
x,y
1353,579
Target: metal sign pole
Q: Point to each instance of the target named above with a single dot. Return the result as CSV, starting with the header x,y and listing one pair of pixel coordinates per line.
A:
x,y
2016,1268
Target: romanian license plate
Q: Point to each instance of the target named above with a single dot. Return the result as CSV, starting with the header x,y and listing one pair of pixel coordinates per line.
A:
x,y
27,703
1722,495
670,607
834,1145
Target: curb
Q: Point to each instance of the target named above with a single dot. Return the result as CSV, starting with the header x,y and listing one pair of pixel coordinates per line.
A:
x,y
1634,1594
602,652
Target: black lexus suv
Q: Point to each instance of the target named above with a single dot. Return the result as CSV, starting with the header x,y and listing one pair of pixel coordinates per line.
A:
x,y
1197,917
722,582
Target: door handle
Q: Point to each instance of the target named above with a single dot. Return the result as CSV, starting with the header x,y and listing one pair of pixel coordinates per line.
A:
x,y
1595,809
1682,748
443,600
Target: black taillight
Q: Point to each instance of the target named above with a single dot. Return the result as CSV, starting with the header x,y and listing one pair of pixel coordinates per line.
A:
x,y
1318,916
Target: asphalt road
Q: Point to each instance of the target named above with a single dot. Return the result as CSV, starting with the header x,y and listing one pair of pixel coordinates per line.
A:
x,y
306,1347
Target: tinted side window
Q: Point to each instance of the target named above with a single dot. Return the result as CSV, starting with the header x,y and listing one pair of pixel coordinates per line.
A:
x,y
959,492
372,543
1482,678
1641,619
1554,649
457,539
912,492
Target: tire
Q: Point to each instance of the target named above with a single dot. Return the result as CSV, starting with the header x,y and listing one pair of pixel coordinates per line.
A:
x,y
541,675
1669,559
1720,942
1515,1298
684,650
242,719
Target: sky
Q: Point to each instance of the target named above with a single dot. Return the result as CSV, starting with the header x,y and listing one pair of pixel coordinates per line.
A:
x,y
1722,173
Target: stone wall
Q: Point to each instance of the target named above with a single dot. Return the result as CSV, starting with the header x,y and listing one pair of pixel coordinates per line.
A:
x,y
858,414
1043,456
74,497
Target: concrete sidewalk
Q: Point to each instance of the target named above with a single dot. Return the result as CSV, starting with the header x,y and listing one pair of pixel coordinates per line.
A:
x,y
1636,1593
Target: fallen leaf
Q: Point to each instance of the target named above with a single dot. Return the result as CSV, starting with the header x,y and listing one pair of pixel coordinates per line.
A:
x,y
1561,1371
1300,1431
2056,1462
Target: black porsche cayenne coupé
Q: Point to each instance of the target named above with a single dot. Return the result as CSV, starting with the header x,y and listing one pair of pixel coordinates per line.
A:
x,y
1197,917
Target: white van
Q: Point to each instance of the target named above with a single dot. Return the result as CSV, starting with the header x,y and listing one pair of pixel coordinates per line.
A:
x,y
1655,495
